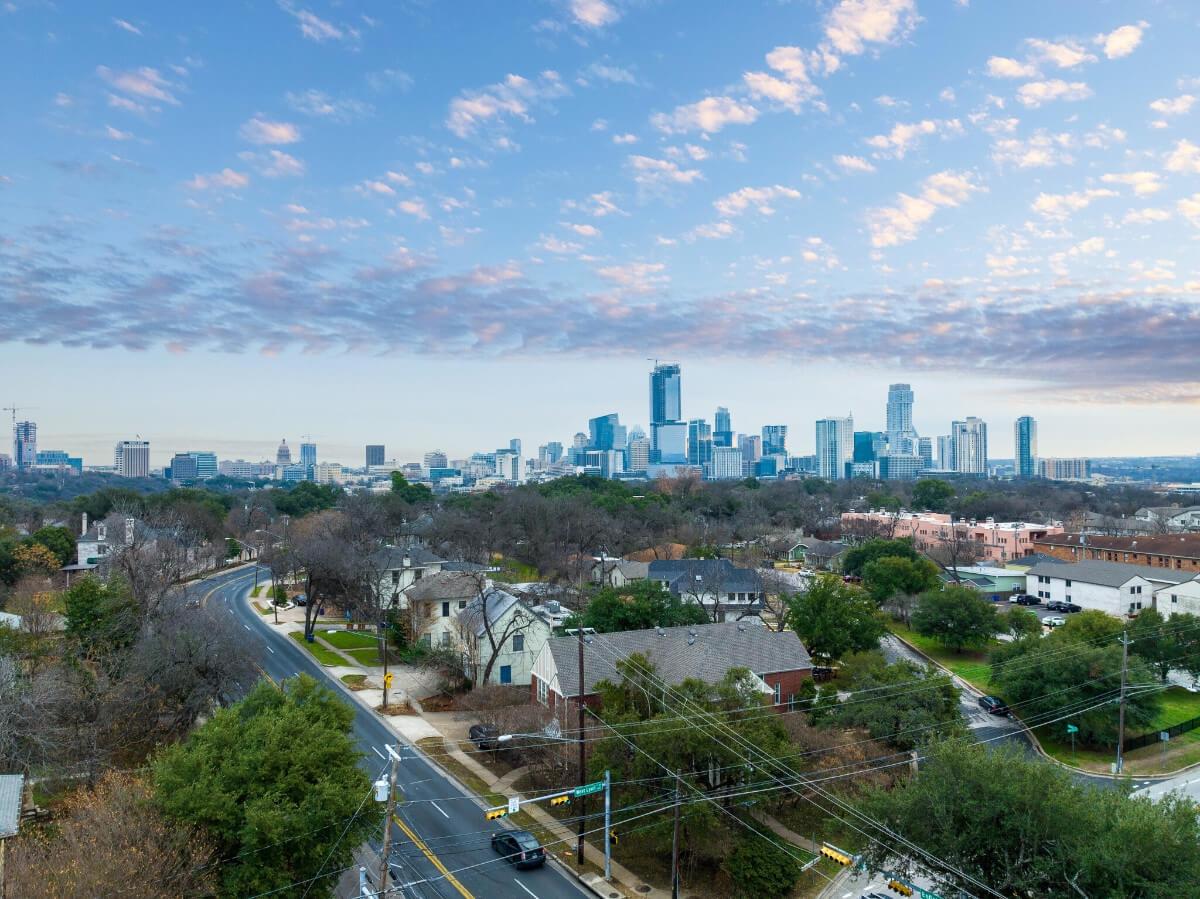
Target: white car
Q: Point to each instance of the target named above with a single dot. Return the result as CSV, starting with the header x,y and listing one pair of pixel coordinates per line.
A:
x,y
1054,621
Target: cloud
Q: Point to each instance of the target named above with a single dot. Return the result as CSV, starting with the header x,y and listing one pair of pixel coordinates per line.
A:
x,y
385,80
1041,150
226,178
793,63
649,172
1147,216
711,231
415,208
274,163
314,28
127,26
116,133
1064,55
624,138
853,24
639,277
593,13
510,98
894,225
262,131
1174,106
614,74
144,83
1189,208
1184,158
320,105
853,164
709,115
1003,67
1035,93
552,244
1143,183
759,199
597,205
1062,206
791,94
1122,41
905,136
584,229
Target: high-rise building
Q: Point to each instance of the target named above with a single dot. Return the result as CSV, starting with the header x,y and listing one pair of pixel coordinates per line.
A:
x,y
925,451
899,466
639,454
514,445
435,459
605,463
184,468
751,447
25,444
700,442
308,458
869,445
669,445
131,458
375,454
970,446
835,446
945,446
283,455
899,411
1065,469
722,428
510,466
549,453
774,440
665,415
606,432
58,459
726,463
1025,447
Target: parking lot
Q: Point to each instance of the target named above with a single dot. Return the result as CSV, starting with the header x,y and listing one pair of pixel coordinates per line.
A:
x,y
1038,609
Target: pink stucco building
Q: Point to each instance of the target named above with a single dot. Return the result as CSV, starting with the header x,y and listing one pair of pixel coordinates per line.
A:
x,y
996,541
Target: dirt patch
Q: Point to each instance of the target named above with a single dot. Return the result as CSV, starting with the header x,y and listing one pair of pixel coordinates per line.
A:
x,y
441,702
396,708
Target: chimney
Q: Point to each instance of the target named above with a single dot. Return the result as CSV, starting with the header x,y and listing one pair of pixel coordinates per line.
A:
x,y
83,527
407,561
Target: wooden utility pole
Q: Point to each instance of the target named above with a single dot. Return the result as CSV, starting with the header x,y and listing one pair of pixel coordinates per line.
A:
x,y
387,822
675,843
1120,766
582,749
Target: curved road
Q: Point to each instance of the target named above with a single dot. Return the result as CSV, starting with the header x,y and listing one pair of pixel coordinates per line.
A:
x,y
451,829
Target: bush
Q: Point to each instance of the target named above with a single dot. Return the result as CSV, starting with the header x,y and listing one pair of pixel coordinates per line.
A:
x,y
279,593
761,868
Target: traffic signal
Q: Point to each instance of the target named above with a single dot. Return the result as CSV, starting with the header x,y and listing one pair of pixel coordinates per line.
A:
x,y
493,813
840,857
561,800
612,838
902,888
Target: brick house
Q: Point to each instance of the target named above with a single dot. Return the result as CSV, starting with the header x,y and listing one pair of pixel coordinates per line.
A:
x,y
1179,552
777,660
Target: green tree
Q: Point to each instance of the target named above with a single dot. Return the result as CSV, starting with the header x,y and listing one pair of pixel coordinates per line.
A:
x,y
414,494
1153,642
957,617
903,703
305,498
856,559
759,867
1027,829
636,606
101,616
275,782
932,494
1022,623
890,576
833,618
59,541
1090,625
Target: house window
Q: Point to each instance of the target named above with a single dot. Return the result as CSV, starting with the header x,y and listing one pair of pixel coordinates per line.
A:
x,y
541,690
445,610
506,674
518,643
778,694
462,603
1068,582
417,574
395,577
1174,598
445,638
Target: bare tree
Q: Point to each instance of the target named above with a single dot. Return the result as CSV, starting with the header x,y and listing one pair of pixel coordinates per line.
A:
x,y
952,549
486,626
151,554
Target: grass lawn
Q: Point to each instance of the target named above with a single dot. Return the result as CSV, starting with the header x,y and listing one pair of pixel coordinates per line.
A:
x,y
349,639
354,681
971,665
257,590
320,653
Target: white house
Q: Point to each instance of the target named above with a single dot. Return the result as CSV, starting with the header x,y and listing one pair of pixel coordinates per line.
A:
x,y
399,567
1112,587
1171,518
1178,598
513,633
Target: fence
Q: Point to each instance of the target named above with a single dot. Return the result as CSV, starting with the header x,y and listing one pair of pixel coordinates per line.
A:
x,y
1150,739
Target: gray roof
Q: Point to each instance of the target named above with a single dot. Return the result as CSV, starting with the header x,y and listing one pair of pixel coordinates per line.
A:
x,y
11,787
446,585
459,565
717,649
1108,574
498,604
390,557
716,575
821,547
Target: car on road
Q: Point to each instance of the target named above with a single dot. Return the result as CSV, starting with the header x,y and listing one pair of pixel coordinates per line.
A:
x,y
1054,621
1056,605
993,705
519,848
1024,599
484,736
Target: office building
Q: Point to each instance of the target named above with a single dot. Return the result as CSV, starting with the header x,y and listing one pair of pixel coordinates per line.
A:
x,y
639,454
726,463
25,444
549,453
722,428
605,463
899,466
869,445
606,433
578,446
751,447
925,451
945,457
774,440
509,466
900,430
1064,469
376,452
970,446
308,458
58,459
283,455
666,423
514,445
700,442
835,446
435,459
183,468
1025,447
131,458
327,473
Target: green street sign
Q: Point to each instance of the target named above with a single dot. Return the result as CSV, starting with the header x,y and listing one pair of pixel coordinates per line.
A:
x,y
1072,729
588,789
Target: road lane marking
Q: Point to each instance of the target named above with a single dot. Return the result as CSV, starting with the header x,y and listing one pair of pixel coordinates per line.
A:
x,y
437,863
378,753
246,626
525,888
270,650
438,807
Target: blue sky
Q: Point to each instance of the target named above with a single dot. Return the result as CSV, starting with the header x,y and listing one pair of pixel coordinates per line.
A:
x,y
452,223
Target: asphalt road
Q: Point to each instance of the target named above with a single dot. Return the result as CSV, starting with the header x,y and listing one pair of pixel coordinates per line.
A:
x,y
449,823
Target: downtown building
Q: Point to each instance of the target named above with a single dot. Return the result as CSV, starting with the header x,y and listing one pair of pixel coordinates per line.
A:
x,y
131,458
668,431
24,445
835,447
1025,461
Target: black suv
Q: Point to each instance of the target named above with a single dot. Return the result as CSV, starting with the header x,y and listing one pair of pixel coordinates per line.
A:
x,y
484,736
993,705
1057,606
520,848
1024,599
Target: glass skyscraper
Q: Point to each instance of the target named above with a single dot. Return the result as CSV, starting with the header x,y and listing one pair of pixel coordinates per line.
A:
x,y
774,440
722,428
668,433
606,433
1025,447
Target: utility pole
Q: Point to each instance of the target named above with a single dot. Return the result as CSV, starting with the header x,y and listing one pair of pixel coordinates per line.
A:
x,y
607,825
582,747
1120,766
387,822
675,843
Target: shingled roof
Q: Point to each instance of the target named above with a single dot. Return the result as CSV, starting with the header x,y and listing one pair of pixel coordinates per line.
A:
x,y
715,649
1108,574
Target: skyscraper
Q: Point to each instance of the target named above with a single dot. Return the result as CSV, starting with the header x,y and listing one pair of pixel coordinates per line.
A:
x,y
183,467
751,447
925,451
375,454
549,453
514,445
774,440
435,459
283,455
700,442
869,445
131,458
835,446
1025,447
722,428
308,458
606,432
945,445
726,463
665,414
899,411
639,454
970,446
24,444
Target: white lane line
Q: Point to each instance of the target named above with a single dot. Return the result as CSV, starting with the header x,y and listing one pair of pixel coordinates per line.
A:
x,y
246,626
525,888
270,650
377,752
439,808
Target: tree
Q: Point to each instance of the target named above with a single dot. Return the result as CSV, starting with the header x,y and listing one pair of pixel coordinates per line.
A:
x,y
758,867
1022,623
957,617
1027,829
100,616
932,494
890,576
58,540
413,494
925,706
305,498
36,559
274,781
855,560
112,841
833,618
636,606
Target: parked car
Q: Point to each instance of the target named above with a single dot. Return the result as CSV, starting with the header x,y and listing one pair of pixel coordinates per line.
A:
x,y
993,705
300,599
519,848
1058,606
1054,621
1024,599
484,736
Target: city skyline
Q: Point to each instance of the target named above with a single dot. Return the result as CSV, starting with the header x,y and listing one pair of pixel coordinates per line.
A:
x,y
1002,198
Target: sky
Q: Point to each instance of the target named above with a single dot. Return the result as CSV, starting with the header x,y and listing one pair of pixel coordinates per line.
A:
x,y
449,224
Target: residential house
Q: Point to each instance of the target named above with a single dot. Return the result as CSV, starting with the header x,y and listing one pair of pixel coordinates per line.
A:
x,y
618,572
819,555
1170,518
1112,587
1180,552
991,541
994,583
777,660
512,632
398,568
721,587
434,601
1174,599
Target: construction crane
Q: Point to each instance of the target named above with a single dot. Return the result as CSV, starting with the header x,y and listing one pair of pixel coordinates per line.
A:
x,y
14,410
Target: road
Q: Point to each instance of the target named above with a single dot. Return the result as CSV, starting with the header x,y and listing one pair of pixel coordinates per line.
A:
x,y
451,828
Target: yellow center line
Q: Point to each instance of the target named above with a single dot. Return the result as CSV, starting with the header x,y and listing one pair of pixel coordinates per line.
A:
x,y
437,863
